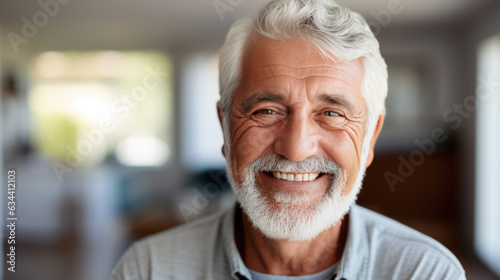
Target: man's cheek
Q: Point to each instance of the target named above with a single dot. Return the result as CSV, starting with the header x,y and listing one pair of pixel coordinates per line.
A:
x,y
350,180
252,144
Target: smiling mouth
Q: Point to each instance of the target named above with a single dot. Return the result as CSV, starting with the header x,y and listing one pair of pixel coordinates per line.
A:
x,y
295,177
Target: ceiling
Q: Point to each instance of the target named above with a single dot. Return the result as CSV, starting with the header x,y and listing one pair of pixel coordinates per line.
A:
x,y
178,24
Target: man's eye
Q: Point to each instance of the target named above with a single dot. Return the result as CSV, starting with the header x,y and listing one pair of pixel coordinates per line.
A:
x,y
331,114
266,112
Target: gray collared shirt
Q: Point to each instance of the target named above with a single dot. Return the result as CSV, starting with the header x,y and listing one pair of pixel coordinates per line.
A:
x,y
376,248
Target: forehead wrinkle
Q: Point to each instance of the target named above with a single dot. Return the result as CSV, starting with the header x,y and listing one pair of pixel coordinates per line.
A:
x,y
305,78
304,71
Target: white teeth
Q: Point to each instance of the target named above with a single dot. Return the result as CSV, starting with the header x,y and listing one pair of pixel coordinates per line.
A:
x,y
296,177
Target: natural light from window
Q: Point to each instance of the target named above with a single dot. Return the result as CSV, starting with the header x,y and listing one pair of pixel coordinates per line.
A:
x,y
89,106
487,228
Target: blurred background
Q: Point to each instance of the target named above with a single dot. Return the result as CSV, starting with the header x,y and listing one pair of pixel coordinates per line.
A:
x,y
108,116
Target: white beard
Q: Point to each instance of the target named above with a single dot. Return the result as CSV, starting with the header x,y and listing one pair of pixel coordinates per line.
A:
x,y
294,216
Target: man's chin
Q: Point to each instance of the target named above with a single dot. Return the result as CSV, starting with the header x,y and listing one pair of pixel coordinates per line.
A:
x,y
293,219
296,202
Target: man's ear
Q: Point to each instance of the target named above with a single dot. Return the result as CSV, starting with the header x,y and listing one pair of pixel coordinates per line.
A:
x,y
219,113
376,133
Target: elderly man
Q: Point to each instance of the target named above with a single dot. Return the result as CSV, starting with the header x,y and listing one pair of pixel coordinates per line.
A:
x,y
302,103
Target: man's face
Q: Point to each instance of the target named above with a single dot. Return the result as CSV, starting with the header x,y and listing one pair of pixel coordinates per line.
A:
x,y
293,104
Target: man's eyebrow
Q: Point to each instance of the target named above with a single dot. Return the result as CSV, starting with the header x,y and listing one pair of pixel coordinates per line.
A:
x,y
250,102
336,100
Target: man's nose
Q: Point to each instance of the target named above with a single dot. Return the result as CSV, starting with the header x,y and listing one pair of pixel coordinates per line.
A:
x,y
298,139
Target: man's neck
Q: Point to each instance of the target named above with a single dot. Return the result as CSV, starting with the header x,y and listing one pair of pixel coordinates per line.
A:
x,y
283,257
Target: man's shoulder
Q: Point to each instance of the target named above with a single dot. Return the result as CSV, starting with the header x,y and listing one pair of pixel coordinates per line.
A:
x,y
382,227
183,250
392,243
193,231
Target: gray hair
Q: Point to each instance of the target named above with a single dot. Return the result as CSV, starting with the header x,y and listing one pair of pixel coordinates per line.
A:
x,y
334,30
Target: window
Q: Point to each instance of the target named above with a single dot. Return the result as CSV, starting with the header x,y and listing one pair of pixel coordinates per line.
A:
x,y
90,105
487,228
201,131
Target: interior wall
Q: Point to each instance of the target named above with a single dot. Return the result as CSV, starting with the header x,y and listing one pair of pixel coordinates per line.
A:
x,y
429,198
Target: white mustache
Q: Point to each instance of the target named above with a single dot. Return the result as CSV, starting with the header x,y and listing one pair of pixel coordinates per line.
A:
x,y
275,162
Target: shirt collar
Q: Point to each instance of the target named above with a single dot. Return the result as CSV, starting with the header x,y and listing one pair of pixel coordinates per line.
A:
x,y
236,264
354,261
352,265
